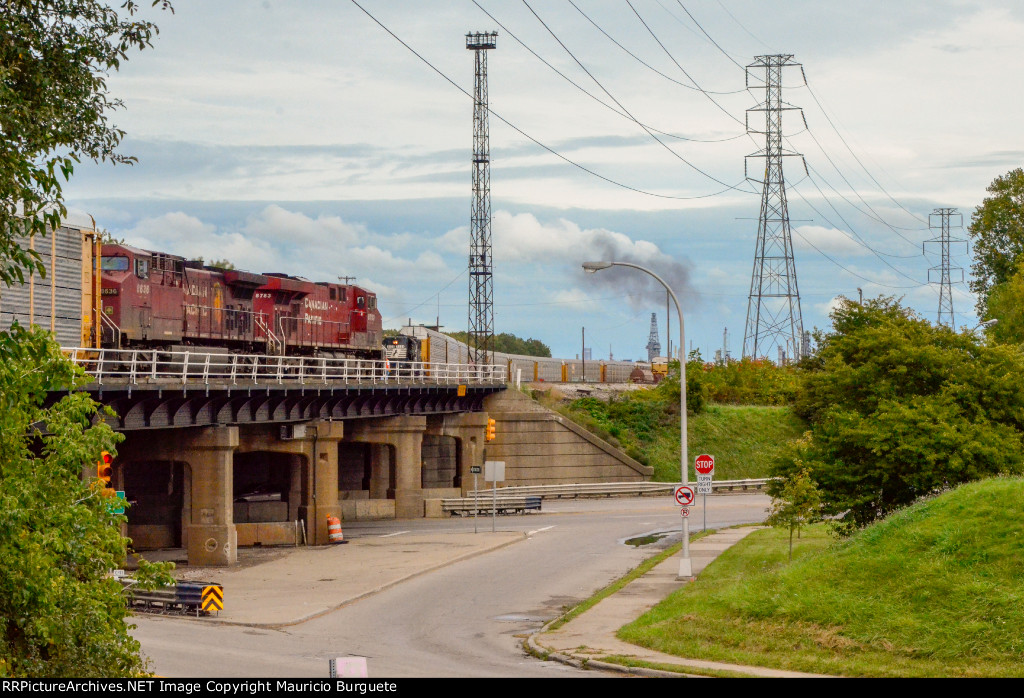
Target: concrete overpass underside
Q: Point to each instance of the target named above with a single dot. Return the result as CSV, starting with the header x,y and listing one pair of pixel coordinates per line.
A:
x,y
279,464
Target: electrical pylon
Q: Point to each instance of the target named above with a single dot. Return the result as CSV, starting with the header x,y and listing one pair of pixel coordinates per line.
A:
x,y
945,271
773,309
481,268
653,343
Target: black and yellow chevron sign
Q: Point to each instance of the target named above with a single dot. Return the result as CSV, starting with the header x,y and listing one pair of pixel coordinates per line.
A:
x,y
213,598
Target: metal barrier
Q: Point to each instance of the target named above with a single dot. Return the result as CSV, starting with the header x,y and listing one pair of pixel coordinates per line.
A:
x,y
485,504
616,489
183,597
137,367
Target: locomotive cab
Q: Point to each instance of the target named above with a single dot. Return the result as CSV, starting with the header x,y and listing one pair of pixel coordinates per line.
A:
x,y
125,293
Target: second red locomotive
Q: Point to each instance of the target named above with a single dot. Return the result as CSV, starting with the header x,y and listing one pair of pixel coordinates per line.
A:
x,y
157,300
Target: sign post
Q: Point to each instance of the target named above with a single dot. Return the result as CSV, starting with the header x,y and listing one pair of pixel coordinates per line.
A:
x,y
705,467
494,470
475,469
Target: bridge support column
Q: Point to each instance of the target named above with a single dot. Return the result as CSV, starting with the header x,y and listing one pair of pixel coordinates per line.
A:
x,y
314,492
210,529
405,437
469,430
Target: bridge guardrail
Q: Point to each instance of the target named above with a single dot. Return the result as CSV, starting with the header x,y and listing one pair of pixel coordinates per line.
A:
x,y
138,367
612,489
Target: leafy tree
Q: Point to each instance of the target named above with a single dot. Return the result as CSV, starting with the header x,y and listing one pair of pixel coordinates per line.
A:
x,y
507,343
997,229
900,409
60,614
1005,304
795,502
55,56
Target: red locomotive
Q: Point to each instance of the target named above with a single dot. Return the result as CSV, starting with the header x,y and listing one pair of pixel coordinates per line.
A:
x,y
157,300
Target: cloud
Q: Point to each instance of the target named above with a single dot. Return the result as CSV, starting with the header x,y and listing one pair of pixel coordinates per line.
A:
x,y
522,239
275,223
828,240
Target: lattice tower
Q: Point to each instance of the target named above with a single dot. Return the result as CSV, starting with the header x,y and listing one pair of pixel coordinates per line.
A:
x,y
944,271
481,269
774,318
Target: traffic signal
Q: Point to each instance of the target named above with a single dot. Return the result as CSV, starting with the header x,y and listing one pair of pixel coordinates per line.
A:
x,y
105,468
491,430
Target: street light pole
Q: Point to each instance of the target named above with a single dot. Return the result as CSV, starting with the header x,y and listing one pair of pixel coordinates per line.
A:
x,y
685,568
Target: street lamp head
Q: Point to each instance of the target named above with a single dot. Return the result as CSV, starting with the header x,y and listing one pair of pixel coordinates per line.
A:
x,y
591,267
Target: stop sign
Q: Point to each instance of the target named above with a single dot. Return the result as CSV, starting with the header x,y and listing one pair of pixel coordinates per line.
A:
x,y
704,464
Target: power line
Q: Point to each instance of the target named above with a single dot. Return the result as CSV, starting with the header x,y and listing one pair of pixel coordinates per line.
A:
x,y
624,109
724,52
672,58
820,147
533,140
770,49
844,142
645,63
594,97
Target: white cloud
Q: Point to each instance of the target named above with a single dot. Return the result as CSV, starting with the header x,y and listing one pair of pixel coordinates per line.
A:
x,y
828,240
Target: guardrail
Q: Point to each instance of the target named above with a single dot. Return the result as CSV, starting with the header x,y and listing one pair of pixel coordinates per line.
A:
x,y
485,504
137,367
201,598
617,489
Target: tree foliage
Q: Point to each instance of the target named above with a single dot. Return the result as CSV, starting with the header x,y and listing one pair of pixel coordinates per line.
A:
x,y
1005,304
796,502
55,56
997,230
60,614
900,409
750,382
507,343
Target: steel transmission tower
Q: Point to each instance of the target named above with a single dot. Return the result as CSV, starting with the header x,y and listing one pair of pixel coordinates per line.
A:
x,y
653,344
773,311
945,216
481,269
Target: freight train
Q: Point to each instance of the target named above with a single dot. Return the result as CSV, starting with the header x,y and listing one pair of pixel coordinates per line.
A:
x,y
153,299
109,295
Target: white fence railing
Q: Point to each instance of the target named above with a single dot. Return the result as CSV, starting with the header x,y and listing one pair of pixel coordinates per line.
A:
x,y
135,367
620,489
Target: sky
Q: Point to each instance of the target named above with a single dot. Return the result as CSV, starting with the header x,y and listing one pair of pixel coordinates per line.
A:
x,y
327,138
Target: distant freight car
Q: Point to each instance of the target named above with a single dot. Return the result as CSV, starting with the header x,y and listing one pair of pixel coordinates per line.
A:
x,y
160,301
66,300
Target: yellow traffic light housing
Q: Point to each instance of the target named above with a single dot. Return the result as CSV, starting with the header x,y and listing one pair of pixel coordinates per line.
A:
x,y
491,430
105,468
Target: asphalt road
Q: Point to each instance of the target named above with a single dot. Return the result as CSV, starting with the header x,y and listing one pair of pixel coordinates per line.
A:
x,y
463,620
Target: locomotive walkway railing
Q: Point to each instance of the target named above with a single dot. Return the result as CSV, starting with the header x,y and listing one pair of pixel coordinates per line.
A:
x,y
136,367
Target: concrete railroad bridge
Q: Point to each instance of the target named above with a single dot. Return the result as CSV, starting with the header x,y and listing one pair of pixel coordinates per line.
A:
x,y
225,450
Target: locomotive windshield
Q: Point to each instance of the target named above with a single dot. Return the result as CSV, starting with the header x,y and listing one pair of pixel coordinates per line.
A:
x,y
115,264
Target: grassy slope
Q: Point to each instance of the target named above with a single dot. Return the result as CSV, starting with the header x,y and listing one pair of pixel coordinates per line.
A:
x,y
935,590
743,440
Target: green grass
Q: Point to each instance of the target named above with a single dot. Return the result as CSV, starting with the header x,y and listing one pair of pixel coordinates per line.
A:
x,y
635,573
743,439
936,589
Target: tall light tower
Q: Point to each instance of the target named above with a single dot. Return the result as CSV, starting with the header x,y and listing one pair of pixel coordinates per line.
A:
x,y
945,272
481,269
773,310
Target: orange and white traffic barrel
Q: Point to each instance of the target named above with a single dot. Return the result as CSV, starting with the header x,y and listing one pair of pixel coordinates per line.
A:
x,y
334,533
